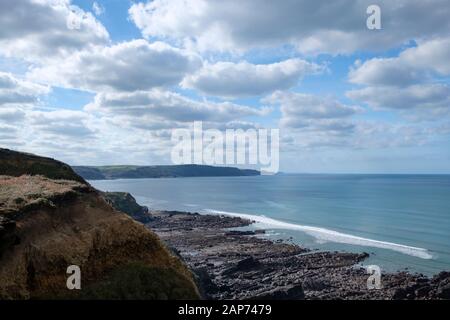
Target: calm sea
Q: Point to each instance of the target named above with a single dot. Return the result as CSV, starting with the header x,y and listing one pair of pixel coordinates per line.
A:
x,y
402,220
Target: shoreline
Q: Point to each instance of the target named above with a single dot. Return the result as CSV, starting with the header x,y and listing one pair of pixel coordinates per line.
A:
x,y
329,235
231,264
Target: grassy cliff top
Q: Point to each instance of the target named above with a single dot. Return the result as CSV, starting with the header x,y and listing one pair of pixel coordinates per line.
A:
x,y
13,163
17,193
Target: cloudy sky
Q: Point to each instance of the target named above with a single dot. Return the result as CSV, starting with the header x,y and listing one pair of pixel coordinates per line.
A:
x,y
105,82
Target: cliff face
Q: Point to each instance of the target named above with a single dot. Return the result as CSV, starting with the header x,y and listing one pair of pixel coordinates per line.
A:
x,y
47,225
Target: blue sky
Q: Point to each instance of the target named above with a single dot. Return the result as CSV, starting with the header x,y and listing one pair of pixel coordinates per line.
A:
x,y
345,98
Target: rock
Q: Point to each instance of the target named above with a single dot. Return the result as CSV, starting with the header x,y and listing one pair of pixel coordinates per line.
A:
x,y
243,265
422,279
248,263
292,292
240,233
125,202
422,291
204,282
314,285
400,294
364,255
444,275
443,291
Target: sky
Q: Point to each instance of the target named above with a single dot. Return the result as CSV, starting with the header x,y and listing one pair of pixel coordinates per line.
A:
x,y
106,82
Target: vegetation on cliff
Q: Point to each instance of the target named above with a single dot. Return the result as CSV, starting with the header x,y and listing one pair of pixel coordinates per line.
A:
x,y
15,164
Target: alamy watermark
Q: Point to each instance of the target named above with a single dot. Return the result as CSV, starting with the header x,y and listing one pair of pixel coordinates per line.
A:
x,y
373,21
254,147
374,280
74,280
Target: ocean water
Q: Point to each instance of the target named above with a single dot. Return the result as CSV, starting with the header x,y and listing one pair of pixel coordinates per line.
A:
x,y
403,221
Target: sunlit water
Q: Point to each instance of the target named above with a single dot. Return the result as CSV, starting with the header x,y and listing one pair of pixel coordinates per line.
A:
x,y
402,220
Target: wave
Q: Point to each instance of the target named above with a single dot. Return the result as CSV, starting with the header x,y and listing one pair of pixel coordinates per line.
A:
x,y
323,234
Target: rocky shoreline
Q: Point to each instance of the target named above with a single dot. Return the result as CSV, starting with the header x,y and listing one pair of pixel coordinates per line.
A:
x,y
232,264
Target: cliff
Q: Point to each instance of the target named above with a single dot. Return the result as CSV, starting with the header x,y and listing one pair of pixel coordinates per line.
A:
x,y
52,219
125,202
15,164
135,172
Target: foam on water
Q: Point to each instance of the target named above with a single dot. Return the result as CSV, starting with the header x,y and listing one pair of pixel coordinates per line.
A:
x,y
323,234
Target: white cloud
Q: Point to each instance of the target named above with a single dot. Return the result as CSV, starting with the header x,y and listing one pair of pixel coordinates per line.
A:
x,y
170,106
11,114
409,81
413,65
98,9
312,112
426,96
18,92
232,80
361,135
431,54
311,26
127,66
61,123
385,72
37,30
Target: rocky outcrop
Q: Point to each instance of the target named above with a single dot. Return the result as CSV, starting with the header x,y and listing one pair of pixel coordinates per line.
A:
x,y
47,225
125,202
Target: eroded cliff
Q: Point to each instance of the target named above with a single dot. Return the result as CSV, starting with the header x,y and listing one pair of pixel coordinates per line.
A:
x,y
47,225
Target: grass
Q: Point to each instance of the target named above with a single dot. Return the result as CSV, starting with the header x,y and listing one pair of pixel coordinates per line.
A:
x,y
19,192
14,163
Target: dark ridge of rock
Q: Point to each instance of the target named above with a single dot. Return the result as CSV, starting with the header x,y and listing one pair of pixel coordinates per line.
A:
x,y
244,233
205,283
125,202
243,265
290,292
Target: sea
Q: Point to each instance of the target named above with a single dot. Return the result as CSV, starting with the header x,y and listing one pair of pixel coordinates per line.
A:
x,y
402,221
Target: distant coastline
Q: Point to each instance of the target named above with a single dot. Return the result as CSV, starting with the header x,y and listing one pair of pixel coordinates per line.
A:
x,y
161,171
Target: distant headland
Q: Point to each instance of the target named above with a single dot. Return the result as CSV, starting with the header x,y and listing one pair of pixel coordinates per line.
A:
x,y
161,171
